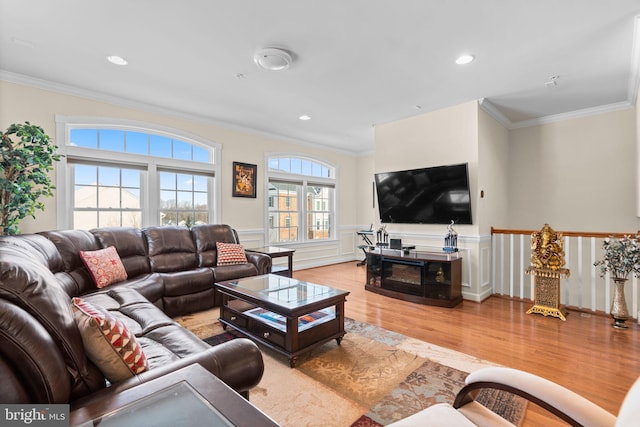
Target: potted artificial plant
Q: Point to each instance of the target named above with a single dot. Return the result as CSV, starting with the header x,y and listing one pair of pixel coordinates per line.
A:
x,y
27,155
621,258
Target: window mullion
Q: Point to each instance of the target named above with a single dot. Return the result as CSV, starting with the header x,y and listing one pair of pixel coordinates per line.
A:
x,y
151,203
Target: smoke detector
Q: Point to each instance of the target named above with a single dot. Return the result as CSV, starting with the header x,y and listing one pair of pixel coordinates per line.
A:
x,y
272,59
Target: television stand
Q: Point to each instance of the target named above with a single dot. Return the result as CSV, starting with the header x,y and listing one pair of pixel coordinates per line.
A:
x,y
429,278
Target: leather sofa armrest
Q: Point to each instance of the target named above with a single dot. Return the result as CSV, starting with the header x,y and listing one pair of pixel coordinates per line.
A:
x,y
238,363
261,261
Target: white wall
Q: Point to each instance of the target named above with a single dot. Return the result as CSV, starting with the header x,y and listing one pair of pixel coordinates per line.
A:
x,y
19,103
576,175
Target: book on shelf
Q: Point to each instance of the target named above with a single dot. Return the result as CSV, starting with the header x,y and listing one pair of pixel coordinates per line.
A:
x,y
304,322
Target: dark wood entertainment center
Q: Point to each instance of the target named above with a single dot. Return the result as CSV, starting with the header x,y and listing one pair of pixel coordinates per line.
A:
x,y
429,278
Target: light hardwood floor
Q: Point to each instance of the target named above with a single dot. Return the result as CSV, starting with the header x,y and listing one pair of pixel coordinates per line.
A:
x,y
583,353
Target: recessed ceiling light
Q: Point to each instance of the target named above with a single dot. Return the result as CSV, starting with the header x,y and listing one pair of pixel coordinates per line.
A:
x,y
118,60
304,117
464,59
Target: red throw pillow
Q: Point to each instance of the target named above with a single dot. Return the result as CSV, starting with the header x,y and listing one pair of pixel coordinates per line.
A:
x,y
108,342
104,265
230,254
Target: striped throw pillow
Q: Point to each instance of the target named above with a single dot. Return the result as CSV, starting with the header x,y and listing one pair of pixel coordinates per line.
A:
x,y
230,254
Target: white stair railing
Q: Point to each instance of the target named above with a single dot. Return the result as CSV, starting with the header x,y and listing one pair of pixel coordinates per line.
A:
x,y
583,290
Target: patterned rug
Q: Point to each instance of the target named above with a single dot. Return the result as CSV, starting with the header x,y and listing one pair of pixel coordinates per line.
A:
x,y
375,377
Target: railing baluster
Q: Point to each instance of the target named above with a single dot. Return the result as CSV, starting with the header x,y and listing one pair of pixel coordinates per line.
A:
x,y
567,255
593,274
580,272
521,266
511,267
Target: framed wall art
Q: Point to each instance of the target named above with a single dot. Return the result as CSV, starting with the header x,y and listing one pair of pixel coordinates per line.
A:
x,y
244,180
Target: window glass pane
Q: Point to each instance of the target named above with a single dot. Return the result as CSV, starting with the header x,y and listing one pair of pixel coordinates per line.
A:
x,y
108,197
130,178
84,138
181,150
284,164
316,169
132,219
167,199
130,198
85,174
306,167
296,166
185,200
324,171
85,220
273,164
185,219
200,183
200,154
137,143
85,196
185,182
159,146
109,219
202,218
168,218
200,201
108,176
167,181
111,140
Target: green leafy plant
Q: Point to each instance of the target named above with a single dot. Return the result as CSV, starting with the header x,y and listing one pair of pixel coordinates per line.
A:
x,y
26,158
621,257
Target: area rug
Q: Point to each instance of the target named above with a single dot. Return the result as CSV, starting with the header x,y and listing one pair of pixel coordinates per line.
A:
x,y
375,377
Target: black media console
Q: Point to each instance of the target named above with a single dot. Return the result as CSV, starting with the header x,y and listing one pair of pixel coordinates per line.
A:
x,y
423,277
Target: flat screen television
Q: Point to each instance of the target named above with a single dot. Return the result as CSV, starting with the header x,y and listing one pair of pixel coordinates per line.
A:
x,y
433,195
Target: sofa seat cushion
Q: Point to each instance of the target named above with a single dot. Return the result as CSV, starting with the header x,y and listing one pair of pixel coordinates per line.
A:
x,y
108,342
161,338
229,272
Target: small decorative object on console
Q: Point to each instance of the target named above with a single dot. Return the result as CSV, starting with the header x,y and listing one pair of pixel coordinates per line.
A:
x,y
382,237
451,239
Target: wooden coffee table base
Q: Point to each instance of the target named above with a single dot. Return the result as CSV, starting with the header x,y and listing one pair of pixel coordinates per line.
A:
x,y
289,337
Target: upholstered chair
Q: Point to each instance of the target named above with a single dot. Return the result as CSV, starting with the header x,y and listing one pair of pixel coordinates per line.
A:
x,y
560,401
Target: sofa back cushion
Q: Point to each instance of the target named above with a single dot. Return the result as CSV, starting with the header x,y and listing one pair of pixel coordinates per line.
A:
x,y
131,246
69,244
206,236
33,288
170,249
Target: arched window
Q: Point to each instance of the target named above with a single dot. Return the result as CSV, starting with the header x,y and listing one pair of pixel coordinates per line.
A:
x,y
121,173
300,199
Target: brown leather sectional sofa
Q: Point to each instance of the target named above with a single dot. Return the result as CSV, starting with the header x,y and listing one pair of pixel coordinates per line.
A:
x,y
170,272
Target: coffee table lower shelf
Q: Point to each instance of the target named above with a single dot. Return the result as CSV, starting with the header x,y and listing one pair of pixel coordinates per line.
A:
x,y
290,342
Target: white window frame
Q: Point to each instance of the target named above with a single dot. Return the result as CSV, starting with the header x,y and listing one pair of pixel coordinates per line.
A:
x,y
303,181
150,194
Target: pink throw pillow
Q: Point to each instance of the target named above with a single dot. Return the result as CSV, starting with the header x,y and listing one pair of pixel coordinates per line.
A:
x,y
104,265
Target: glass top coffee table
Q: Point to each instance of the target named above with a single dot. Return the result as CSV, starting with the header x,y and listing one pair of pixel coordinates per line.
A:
x,y
287,315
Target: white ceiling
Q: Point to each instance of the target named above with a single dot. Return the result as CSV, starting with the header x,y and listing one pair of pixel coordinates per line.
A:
x,y
357,63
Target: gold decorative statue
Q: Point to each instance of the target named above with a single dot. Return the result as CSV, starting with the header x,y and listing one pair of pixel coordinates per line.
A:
x,y
547,249
547,262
